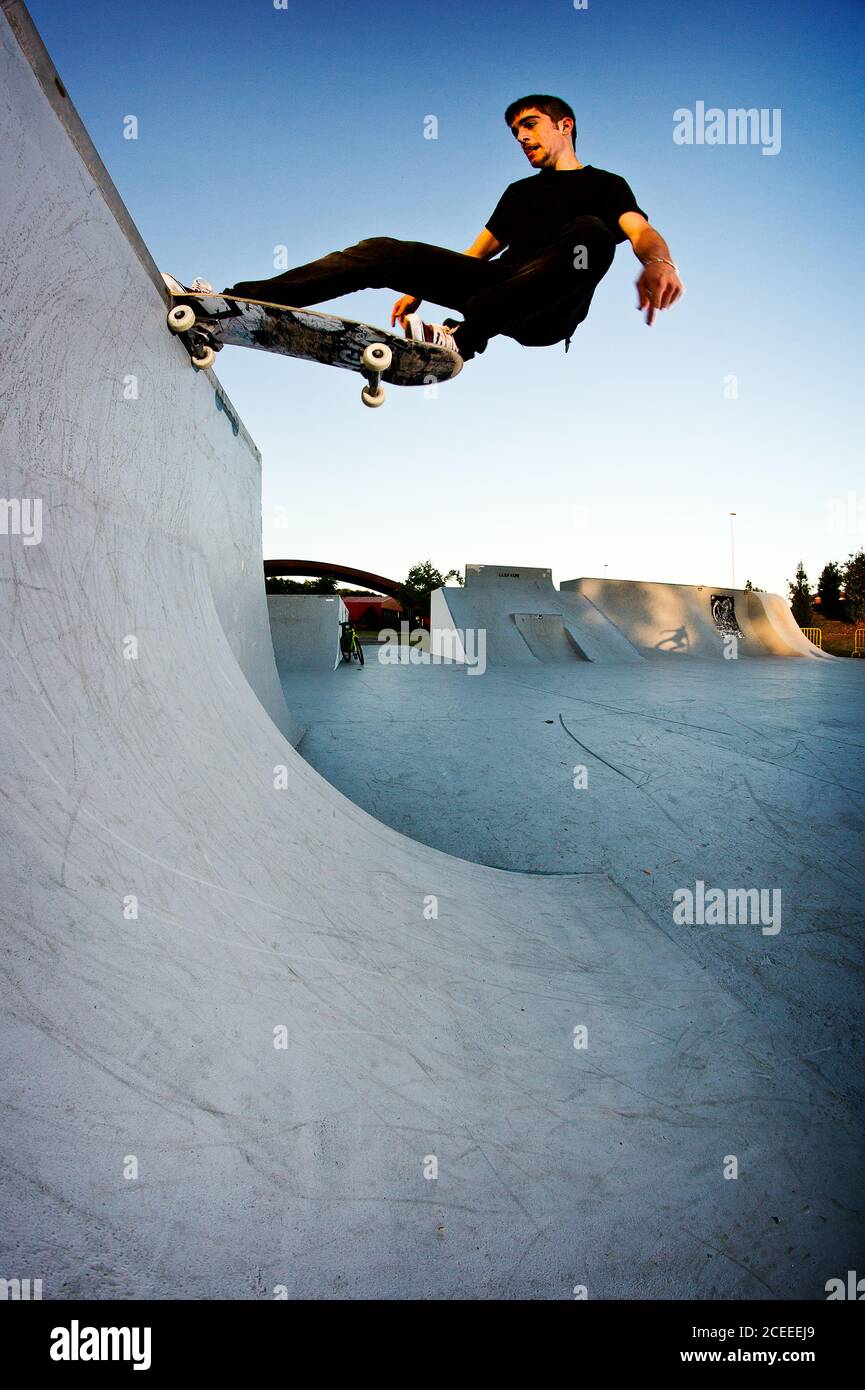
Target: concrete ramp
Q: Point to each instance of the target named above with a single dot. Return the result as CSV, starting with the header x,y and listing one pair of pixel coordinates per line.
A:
x,y
305,629
522,619
547,637
697,620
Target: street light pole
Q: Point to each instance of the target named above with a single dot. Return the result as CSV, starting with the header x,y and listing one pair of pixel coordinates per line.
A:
x,y
732,554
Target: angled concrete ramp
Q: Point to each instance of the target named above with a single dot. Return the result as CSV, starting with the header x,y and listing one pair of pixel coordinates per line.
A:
x,y
305,629
523,620
677,619
238,1016
548,637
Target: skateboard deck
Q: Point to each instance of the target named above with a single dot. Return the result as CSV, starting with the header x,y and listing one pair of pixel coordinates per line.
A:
x,y
207,322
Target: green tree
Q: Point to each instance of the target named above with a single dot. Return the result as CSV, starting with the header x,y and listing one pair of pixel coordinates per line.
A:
x,y
419,584
854,587
754,588
800,597
829,587
423,578
277,584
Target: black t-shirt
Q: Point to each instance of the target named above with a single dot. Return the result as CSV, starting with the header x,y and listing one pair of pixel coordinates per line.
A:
x,y
531,213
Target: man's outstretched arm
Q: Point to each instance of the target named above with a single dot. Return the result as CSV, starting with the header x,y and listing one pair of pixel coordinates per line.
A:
x,y
659,285
483,247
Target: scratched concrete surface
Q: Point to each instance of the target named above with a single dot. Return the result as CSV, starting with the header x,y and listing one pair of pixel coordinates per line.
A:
x,y
733,773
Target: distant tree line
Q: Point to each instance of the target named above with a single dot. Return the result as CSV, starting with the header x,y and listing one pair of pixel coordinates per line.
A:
x,y
840,591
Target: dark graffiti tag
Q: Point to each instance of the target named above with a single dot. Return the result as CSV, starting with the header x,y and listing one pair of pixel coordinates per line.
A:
x,y
724,615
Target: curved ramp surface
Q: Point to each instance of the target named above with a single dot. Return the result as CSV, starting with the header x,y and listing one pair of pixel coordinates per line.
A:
x,y
678,619
240,1018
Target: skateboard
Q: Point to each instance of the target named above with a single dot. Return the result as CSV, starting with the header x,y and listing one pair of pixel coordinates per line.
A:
x,y
205,323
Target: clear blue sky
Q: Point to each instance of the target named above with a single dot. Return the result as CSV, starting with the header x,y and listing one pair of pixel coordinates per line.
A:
x,y
260,127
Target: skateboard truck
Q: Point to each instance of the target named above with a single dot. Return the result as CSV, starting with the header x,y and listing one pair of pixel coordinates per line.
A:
x,y
203,350
375,359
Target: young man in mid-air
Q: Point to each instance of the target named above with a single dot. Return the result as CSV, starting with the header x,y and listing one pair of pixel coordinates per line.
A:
x,y
557,231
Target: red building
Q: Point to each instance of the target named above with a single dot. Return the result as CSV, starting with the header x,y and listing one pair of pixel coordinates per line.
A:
x,y
371,610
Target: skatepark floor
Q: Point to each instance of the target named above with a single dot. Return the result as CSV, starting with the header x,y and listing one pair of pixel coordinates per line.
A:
x,y
740,775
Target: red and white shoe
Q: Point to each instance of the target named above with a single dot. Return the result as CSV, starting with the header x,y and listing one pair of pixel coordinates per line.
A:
x,y
433,333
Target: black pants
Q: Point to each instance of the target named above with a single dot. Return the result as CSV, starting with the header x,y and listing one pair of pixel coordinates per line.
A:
x,y
537,302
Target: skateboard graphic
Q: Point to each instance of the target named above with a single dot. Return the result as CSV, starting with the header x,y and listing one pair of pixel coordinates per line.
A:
x,y
205,323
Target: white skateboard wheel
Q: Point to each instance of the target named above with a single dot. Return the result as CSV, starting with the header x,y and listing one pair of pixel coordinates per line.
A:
x,y
180,318
372,398
377,357
204,359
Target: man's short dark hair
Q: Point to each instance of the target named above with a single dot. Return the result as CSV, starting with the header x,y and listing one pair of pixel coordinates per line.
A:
x,y
553,107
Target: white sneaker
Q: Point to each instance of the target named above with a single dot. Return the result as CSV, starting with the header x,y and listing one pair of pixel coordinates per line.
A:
x,y
198,286
433,333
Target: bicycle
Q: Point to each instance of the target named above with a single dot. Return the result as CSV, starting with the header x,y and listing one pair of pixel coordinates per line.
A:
x,y
349,644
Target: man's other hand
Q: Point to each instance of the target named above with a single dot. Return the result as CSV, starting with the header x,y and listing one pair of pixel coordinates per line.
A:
x,y
658,288
407,304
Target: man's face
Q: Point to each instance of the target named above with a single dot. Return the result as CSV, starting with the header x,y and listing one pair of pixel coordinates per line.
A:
x,y
541,139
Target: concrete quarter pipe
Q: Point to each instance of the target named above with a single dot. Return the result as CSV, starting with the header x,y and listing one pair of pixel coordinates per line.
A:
x,y
682,619
525,619
238,1014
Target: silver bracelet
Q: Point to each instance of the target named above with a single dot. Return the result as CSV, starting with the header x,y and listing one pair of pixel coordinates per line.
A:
x,y
662,260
